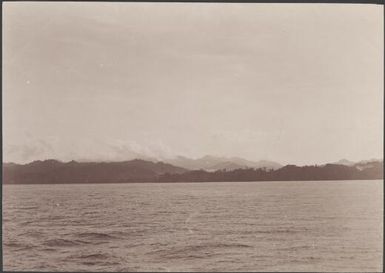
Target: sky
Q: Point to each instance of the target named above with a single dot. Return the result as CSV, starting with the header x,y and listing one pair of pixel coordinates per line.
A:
x,y
293,83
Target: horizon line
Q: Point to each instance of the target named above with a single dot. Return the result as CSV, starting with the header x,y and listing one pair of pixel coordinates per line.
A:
x,y
163,161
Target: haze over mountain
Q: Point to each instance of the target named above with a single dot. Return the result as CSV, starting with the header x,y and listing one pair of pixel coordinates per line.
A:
x,y
362,163
213,163
345,162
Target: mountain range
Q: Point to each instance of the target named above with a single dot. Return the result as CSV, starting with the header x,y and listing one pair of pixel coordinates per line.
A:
x,y
53,171
352,163
367,171
205,169
214,163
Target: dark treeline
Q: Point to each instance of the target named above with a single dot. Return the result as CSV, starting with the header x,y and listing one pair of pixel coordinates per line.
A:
x,y
55,172
287,173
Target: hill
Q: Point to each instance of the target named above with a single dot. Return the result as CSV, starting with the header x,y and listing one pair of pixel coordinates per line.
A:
x,y
214,163
53,171
287,173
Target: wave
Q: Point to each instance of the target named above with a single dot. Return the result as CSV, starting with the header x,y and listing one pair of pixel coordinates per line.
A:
x,y
26,208
14,244
97,256
19,246
61,243
214,245
280,231
33,234
95,236
198,251
295,248
233,245
100,259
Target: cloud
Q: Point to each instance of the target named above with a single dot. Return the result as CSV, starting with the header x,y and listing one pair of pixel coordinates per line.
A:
x,y
28,151
85,150
153,150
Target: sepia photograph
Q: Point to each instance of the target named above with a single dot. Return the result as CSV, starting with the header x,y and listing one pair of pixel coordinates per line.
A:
x,y
192,137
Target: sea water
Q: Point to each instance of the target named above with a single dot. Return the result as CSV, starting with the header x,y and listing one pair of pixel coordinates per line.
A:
x,y
229,226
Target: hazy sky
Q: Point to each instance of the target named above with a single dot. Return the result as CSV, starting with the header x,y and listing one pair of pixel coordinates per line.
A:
x,y
298,83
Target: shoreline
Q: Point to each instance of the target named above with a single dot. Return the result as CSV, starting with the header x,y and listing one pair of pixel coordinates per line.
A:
x,y
188,182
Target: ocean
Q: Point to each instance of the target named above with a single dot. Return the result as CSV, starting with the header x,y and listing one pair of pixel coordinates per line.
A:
x,y
229,226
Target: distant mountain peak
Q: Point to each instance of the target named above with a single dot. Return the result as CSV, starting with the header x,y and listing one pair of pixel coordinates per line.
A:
x,y
345,162
213,163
